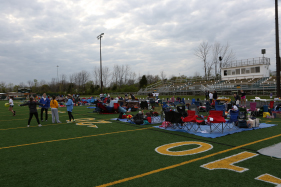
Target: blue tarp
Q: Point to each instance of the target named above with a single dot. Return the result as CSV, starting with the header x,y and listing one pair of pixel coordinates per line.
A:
x,y
206,130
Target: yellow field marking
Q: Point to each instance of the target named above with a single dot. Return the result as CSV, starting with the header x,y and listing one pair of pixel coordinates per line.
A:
x,y
269,178
87,136
31,126
164,149
184,163
227,163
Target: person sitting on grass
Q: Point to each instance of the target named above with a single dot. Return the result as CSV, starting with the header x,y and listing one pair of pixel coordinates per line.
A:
x,y
32,110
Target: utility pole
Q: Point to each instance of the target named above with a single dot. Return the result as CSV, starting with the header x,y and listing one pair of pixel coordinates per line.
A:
x,y
277,51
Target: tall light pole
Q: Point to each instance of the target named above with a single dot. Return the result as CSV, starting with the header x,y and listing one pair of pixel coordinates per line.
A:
x,y
99,38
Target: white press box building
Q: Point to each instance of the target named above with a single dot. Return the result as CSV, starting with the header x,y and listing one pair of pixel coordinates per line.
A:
x,y
246,69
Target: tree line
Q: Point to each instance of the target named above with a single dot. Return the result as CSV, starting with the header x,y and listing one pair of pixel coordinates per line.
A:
x,y
120,78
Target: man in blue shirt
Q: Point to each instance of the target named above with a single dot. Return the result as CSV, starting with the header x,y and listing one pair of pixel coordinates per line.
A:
x,y
46,105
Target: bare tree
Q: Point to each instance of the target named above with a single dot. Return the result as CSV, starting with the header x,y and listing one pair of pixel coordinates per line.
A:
x,y
30,83
22,85
105,76
3,86
162,75
97,76
224,52
202,52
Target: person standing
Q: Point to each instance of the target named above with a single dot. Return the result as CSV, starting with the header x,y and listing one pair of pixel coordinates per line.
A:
x,y
46,105
69,107
243,98
211,97
11,103
207,95
215,95
237,99
54,108
32,110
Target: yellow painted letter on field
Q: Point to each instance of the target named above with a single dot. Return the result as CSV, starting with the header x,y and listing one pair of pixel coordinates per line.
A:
x,y
228,162
164,149
269,178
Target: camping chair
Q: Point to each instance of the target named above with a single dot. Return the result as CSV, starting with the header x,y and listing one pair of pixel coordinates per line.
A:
x,y
115,106
176,103
181,110
233,121
174,118
265,108
152,102
157,118
271,104
102,107
221,108
192,101
208,107
194,108
216,120
253,110
182,100
191,122
144,105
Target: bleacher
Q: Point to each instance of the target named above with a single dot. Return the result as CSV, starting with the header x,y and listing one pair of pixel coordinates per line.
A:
x,y
195,86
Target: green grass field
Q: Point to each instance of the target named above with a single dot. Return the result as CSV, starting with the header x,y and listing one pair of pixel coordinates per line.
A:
x,y
122,154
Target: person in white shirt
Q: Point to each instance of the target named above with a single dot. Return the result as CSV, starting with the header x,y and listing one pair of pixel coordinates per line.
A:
x,y
211,97
11,102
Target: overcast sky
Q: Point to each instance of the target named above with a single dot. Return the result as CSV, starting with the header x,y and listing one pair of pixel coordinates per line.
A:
x,y
150,36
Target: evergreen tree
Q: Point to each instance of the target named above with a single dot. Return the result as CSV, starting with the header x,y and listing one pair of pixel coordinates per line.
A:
x,y
143,81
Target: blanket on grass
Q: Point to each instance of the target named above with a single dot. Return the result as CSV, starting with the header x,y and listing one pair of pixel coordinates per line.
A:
x,y
205,130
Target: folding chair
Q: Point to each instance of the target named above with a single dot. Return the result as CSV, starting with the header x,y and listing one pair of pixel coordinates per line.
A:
x,y
194,108
181,110
208,106
253,110
115,106
182,100
144,105
176,103
216,120
233,121
221,108
271,104
157,118
190,120
192,101
174,118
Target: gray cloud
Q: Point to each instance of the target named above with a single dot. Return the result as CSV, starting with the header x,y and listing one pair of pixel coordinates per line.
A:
x,y
150,36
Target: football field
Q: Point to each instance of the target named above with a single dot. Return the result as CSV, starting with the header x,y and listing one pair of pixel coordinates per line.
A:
x,y
97,151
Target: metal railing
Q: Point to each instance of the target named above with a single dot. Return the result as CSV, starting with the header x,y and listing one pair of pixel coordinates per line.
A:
x,y
247,62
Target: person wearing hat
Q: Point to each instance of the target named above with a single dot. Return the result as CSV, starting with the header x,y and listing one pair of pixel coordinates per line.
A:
x,y
69,108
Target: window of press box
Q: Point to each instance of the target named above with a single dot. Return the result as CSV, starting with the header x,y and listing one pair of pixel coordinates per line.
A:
x,y
225,73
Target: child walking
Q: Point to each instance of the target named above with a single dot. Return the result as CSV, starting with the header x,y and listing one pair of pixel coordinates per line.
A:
x,y
69,107
32,110
11,102
54,108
